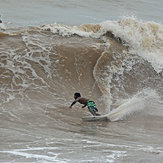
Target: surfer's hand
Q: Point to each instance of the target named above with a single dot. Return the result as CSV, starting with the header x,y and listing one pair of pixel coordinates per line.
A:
x,y
70,107
83,106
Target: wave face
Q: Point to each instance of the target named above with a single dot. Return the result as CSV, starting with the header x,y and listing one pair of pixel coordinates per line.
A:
x,y
119,64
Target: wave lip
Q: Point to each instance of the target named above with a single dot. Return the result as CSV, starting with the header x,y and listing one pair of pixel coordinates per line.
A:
x,y
85,30
143,38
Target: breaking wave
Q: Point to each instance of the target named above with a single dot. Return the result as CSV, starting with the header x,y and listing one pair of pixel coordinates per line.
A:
x,y
111,62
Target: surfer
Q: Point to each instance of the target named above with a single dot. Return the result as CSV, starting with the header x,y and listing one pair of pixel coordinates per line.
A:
x,y
86,102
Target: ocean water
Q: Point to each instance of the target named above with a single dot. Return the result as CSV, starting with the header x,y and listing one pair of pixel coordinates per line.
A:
x,y
109,51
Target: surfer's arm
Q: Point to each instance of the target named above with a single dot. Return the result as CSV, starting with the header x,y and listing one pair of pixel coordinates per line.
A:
x,y
73,103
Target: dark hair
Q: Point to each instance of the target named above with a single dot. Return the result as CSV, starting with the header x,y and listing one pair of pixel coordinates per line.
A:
x,y
77,95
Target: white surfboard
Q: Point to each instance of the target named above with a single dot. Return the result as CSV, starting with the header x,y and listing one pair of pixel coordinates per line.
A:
x,y
96,118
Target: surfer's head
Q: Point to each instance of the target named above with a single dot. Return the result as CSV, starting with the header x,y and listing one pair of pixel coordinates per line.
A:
x,y
76,95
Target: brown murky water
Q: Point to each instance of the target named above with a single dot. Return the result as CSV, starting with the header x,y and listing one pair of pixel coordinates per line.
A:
x,y
117,64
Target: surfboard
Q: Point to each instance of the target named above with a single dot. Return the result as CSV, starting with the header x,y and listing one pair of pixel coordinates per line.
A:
x,y
96,118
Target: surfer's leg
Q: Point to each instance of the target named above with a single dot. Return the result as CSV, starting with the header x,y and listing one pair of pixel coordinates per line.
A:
x,y
92,112
96,110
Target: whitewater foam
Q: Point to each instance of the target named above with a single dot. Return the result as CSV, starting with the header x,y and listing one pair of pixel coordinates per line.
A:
x,y
2,26
66,31
142,100
144,38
